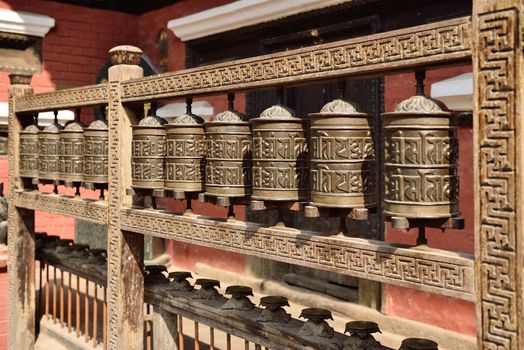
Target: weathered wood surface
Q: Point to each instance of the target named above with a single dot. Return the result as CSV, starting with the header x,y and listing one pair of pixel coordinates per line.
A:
x,y
21,244
446,41
498,67
125,285
83,209
64,99
425,269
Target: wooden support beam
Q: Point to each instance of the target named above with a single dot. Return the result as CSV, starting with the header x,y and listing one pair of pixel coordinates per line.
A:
x,y
165,334
125,284
498,133
21,263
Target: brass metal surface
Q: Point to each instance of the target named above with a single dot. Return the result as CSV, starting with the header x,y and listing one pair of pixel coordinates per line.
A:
x,y
148,153
29,152
49,156
420,162
280,171
95,152
228,155
71,152
185,162
342,157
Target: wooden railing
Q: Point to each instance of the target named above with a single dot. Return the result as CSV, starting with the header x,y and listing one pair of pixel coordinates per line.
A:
x,y
491,40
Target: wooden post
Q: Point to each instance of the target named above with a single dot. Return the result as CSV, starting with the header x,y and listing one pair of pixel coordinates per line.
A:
x,y
165,329
125,285
21,263
499,181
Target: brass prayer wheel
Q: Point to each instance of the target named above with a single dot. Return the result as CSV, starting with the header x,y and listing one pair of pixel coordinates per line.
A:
x,y
228,155
148,153
71,165
280,171
49,156
96,139
342,157
29,151
421,152
185,162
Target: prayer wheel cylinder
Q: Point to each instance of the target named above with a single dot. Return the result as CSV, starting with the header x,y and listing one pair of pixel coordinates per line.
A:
x,y
71,165
96,139
185,162
228,155
29,152
421,152
342,157
280,171
148,153
49,156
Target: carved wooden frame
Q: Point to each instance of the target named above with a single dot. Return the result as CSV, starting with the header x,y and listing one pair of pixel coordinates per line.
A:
x,y
492,39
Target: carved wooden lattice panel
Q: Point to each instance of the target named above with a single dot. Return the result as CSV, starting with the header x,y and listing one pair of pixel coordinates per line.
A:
x,y
114,234
499,253
406,47
67,98
431,271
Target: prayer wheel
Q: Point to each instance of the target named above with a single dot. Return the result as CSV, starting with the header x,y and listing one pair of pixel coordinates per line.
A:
x,y
29,151
148,153
342,157
71,151
280,171
420,161
96,139
228,155
185,162
49,156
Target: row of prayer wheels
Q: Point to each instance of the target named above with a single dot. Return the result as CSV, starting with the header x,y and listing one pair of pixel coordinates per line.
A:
x,y
71,154
327,160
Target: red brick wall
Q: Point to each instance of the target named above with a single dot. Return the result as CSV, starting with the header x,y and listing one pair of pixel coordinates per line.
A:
x,y
76,47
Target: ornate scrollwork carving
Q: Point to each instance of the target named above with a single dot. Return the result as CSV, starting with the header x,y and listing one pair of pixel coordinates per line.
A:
x,y
498,108
420,105
377,52
440,273
67,98
125,54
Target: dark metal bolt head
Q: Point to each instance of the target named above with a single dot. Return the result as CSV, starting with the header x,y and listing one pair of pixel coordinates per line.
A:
x,y
274,302
49,241
207,283
418,344
366,327
154,274
239,291
64,246
155,268
98,252
64,242
79,251
316,315
179,276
